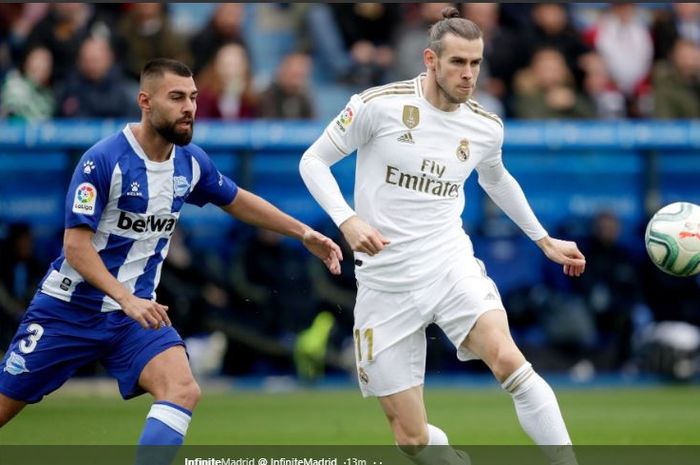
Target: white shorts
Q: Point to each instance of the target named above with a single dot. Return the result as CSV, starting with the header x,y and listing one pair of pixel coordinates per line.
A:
x,y
390,346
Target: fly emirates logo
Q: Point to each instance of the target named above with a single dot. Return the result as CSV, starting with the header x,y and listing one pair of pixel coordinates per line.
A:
x,y
428,181
150,223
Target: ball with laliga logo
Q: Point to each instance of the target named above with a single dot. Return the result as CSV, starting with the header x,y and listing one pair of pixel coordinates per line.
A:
x,y
672,239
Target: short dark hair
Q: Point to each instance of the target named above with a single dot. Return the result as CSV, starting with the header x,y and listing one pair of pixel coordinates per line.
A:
x,y
452,23
157,67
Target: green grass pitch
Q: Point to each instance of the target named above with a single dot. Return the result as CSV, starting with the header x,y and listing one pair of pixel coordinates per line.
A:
x,y
669,415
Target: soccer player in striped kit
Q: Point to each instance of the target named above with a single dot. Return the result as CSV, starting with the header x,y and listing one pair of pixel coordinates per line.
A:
x,y
98,301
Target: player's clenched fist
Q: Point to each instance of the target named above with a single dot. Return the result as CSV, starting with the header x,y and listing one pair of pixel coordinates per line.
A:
x,y
362,237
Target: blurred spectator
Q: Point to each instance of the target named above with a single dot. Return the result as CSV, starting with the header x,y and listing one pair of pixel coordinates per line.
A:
x,y
96,88
411,41
145,33
28,94
225,86
608,101
504,52
191,292
336,293
225,26
546,89
322,37
271,282
20,273
610,286
273,279
16,22
551,27
681,21
62,31
676,82
623,40
516,17
193,297
367,30
353,40
288,96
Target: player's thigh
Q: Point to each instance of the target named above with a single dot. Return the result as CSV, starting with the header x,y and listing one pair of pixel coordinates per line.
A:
x,y
390,345
462,301
491,341
52,342
9,408
168,374
133,348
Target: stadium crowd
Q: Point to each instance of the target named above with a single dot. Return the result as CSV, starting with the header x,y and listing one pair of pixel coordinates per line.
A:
x,y
545,60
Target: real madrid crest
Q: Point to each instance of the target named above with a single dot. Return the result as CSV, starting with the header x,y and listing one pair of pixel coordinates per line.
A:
x,y
463,150
363,376
411,116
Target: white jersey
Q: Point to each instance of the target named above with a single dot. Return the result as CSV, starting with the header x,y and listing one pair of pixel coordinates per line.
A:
x,y
412,162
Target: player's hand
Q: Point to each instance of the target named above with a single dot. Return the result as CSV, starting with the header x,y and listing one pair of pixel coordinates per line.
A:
x,y
324,248
147,313
565,253
362,237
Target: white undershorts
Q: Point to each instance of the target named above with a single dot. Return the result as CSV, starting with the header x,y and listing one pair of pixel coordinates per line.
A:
x,y
389,331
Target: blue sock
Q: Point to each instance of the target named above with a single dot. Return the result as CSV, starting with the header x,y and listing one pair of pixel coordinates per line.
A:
x,y
166,425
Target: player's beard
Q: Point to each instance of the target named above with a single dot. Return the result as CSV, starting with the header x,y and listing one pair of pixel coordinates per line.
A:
x,y
170,132
443,86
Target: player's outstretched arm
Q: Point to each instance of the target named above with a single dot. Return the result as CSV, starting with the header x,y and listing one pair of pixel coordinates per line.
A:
x,y
81,254
564,253
256,211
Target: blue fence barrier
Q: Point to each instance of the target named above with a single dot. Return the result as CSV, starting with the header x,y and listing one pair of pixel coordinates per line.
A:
x,y
567,169
287,135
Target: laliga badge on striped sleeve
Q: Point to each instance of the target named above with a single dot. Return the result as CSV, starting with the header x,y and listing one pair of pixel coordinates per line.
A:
x,y
85,198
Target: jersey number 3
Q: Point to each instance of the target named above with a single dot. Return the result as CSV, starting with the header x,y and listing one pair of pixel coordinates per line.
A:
x,y
29,344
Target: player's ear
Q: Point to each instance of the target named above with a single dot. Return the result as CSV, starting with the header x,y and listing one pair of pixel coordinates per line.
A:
x,y
429,59
144,101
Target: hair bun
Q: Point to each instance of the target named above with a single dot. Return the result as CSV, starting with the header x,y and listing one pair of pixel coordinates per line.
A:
x,y
450,12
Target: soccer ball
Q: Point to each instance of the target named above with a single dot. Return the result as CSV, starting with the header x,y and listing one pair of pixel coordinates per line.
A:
x,y
672,239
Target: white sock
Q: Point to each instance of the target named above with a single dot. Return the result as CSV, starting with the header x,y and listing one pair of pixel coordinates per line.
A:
x,y
436,436
539,414
438,451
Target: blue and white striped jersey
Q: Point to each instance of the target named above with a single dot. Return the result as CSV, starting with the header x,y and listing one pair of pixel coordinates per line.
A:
x,y
132,204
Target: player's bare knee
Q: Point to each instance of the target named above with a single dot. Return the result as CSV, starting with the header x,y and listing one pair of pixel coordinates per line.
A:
x,y
189,393
184,392
505,359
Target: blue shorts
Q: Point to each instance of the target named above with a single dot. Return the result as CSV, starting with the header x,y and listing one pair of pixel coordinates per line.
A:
x,y
56,338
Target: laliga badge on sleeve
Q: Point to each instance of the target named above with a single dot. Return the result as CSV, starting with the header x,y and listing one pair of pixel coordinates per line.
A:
x,y
85,198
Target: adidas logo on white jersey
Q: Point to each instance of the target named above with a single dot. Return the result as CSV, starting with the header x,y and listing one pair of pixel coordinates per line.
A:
x,y
407,138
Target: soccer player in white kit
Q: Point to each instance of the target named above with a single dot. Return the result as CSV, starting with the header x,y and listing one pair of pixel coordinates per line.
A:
x,y
417,142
